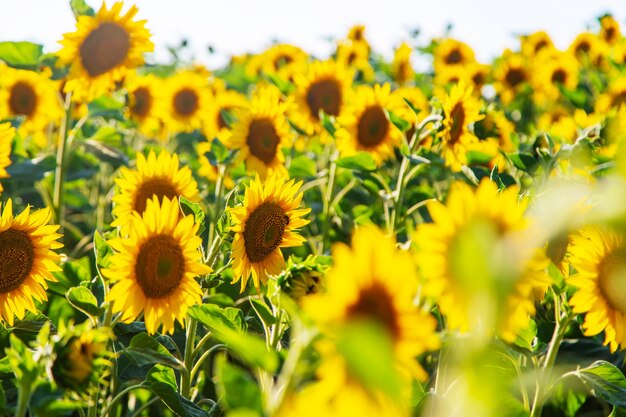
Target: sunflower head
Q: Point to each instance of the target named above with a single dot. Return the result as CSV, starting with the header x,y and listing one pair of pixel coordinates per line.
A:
x,y
554,71
145,104
610,31
26,259
536,43
154,267
186,100
614,97
266,222
220,112
451,52
355,56
511,76
589,49
101,51
303,278
401,69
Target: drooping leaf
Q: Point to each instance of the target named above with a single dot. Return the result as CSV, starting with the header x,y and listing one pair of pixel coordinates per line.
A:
x,y
145,350
82,299
236,387
362,161
604,380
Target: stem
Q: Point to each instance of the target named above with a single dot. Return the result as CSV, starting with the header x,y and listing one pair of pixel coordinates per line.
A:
x,y
185,384
219,190
399,195
201,343
144,406
23,396
59,172
214,250
118,397
200,361
328,195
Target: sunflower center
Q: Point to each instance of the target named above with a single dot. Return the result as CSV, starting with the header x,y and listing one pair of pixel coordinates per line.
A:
x,y
23,99
454,57
186,102
158,187
559,76
143,102
263,140
610,34
583,48
351,58
160,266
264,231
612,280
17,256
457,116
281,61
375,303
324,95
540,45
373,127
104,48
478,78
515,76
619,99
221,120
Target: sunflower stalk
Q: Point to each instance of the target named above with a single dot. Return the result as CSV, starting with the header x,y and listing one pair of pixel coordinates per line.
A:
x,y
23,396
185,383
58,195
328,196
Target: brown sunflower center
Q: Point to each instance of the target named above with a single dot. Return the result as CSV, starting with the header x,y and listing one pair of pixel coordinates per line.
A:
x,y
375,303
373,127
281,61
610,34
263,140
142,102
457,121
478,78
186,102
559,76
351,58
22,99
104,48
160,266
618,99
583,48
264,231
540,45
324,95
17,256
454,57
612,280
515,76
159,187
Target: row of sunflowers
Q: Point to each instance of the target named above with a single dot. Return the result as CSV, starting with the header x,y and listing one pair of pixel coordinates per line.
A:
x,y
294,236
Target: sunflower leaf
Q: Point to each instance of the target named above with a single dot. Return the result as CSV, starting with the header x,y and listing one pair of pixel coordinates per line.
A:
x,y
399,122
302,166
236,388
144,350
81,8
523,161
82,299
604,380
173,400
188,208
362,161
21,54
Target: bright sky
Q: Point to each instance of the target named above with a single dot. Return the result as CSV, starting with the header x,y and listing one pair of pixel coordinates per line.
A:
x,y
238,26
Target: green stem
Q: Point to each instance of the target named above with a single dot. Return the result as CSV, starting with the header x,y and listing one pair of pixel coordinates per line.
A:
x,y
118,397
23,396
328,195
219,191
144,406
185,384
214,251
198,365
58,195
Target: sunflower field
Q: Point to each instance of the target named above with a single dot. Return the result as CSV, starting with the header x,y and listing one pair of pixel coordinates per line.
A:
x,y
294,236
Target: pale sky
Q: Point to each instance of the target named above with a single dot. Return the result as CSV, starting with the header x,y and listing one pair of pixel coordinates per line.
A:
x,y
238,26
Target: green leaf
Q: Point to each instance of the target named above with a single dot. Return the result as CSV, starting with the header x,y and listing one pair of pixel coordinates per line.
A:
x,y
106,106
523,161
399,122
263,311
21,54
104,152
362,161
188,208
478,158
526,337
81,8
618,412
411,106
327,123
144,350
82,299
163,374
173,400
219,153
302,167
236,387
24,366
102,250
604,380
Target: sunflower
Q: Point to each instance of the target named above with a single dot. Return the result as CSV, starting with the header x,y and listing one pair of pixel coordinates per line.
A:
x,y
589,49
552,72
450,52
266,222
511,75
283,59
536,43
599,257
154,267
323,87
618,53
355,56
154,176
471,74
303,278
29,94
26,260
375,281
145,104
356,34
365,126
614,97
487,230
261,131
101,51
208,171
223,105
401,69
461,110
7,133
186,101
419,103
558,123
609,30
494,136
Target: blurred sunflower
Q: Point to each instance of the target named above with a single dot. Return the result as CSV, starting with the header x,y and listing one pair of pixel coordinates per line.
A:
x,y
355,56
365,126
155,176
374,281
153,269
588,49
101,51
599,257
450,52
511,75
401,69
419,104
324,86
144,104
186,100
536,43
471,74
614,97
494,136
29,94
618,53
356,34
554,71
610,31
558,123
303,278
284,60
7,133
220,112
461,110
469,227
267,221
261,131
26,260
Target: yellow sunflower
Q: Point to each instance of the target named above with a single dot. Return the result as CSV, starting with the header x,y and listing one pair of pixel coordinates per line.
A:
x,y
186,101
536,43
26,260
610,31
401,69
461,110
486,229
511,75
365,126
558,123
153,269
357,34
283,57
155,176
614,97
494,134
267,221
355,56
589,49
324,86
145,104
7,133
373,280
599,257
471,74
552,72
101,51
261,131
223,104
418,100
450,52
29,94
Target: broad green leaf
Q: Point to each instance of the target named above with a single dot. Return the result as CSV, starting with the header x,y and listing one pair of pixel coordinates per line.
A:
x,y
302,167
21,54
102,250
478,158
604,380
399,122
106,106
362,161
526,337
236,387
327,123
188,208
263,311
81,8
523,161
82,299
144,350
173,400
163,374
105,153
219,153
